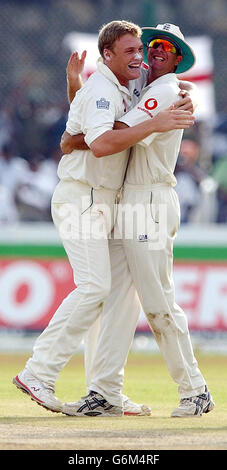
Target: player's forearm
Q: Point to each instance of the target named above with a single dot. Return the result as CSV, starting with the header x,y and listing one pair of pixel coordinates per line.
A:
x,y
73,87
72,142
118,140
115,141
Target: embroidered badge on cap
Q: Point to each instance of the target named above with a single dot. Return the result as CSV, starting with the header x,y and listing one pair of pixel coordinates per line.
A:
x,y
166,26
102,104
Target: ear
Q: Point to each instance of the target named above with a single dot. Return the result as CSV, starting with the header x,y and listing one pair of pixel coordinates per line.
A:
x,y
178,59
106,54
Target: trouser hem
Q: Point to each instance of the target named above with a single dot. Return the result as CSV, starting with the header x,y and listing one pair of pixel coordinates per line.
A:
x,y
111,400
193,392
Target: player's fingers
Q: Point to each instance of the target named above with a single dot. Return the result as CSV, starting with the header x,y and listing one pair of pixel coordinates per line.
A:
x,y
186,101
181,113
187,107
74,56
184,119
184,124
190,120
176,104
176,108
183,101
71,59
83,56
184,93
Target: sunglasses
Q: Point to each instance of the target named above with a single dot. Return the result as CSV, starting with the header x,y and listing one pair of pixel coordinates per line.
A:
x,y
167,46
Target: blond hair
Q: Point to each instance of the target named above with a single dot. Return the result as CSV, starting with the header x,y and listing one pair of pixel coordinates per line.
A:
x,y
112,31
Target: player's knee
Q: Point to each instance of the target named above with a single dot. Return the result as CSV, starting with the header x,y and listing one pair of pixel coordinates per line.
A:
x,y
99,289
159,322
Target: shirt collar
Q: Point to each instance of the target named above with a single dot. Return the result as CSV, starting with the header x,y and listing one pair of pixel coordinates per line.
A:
x,y
104,70
164,78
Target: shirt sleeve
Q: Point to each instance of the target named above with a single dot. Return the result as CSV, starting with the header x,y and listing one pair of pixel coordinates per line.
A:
x,y
155,99
95,113
72,124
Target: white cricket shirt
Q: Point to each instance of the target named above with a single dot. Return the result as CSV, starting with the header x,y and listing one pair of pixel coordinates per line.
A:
x,y
153,159
101,101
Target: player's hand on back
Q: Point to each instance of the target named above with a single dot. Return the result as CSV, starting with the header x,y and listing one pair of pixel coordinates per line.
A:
x,y
185,103
173,119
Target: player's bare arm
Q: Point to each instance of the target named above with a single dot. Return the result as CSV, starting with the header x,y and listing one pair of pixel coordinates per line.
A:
x,y
74,69
72,142
115,141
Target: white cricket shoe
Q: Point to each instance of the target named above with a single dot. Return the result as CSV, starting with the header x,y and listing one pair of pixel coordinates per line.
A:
x,y
92,405
194,406
38,392
134,409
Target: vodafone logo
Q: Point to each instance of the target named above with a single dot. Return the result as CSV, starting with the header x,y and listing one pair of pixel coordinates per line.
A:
x,y
151,104
26,292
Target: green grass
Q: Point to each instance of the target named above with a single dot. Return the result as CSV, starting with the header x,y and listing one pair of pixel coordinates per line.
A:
x,y
24,425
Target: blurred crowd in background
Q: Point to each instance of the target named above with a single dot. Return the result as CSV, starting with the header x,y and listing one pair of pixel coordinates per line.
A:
x,y
29,155
34,107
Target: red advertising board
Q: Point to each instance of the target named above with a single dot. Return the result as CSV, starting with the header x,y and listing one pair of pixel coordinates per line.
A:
x,y
201,290
32,289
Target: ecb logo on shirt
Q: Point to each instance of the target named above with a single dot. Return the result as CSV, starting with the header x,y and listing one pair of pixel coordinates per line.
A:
x,y
102,104
151,103
136,92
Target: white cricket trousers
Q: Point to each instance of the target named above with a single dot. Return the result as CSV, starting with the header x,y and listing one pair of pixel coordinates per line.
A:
x,y
109,339
148,219
84,217
150,256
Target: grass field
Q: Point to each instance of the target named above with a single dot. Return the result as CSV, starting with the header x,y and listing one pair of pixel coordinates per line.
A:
x,y
26,426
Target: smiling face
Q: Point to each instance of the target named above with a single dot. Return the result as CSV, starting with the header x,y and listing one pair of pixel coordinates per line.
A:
x,y
125,58
161,62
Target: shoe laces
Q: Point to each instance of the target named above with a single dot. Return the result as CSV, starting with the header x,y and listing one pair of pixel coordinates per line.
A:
x,y
48,390
196,399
